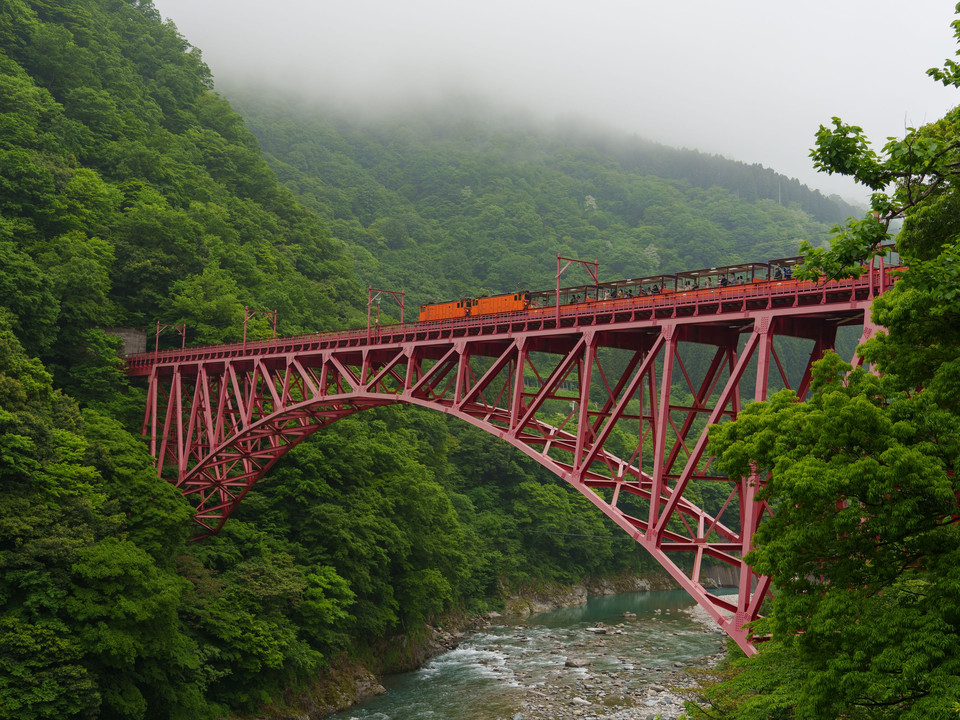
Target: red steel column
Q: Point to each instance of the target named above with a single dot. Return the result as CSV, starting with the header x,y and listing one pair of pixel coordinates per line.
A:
x,y
763,327
662,421
585,377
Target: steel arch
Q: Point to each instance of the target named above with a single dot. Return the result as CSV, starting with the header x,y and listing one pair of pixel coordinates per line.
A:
x,y
218,418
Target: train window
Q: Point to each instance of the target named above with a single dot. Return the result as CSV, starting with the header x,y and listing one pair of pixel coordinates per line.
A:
x,y
516,297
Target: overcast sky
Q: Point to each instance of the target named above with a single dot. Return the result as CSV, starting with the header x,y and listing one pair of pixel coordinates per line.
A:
x,y
748,79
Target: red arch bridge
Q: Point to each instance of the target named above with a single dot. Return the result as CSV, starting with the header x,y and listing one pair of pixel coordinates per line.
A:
x,y
614,397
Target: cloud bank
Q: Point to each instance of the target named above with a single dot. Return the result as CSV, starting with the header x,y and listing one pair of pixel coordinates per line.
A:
x,y
747,79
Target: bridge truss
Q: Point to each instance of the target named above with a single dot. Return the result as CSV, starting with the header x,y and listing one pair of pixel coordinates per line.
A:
x,y
613,397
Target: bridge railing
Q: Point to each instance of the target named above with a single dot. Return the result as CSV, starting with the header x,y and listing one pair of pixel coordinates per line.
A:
x,y
666,305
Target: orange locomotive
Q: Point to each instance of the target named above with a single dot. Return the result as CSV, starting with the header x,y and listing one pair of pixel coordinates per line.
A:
x,y
510,302
446,311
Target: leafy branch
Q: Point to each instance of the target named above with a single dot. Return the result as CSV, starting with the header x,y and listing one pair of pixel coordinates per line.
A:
x,y
907,173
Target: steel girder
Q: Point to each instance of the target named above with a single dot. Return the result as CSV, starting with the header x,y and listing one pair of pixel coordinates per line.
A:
x,y
619,410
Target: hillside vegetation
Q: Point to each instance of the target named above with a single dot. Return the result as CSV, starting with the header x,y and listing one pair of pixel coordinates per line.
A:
x,y
470,203
130,193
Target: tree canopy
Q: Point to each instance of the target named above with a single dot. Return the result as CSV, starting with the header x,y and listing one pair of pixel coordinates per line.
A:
x,y
863,546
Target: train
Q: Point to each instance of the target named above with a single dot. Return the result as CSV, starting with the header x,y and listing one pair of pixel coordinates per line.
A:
x,y
526,300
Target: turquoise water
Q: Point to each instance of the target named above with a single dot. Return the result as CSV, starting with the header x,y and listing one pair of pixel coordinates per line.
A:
x,y
489,675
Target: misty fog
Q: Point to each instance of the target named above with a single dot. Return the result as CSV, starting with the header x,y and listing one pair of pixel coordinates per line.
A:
x,y
750,80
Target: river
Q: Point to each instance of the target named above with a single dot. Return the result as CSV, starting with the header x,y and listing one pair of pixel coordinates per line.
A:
x,y
521,670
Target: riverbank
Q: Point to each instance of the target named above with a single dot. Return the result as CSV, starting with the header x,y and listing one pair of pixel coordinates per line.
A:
x,y
351,681
544,597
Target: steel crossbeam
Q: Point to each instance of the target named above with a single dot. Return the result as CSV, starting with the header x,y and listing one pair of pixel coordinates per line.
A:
x,y
617,405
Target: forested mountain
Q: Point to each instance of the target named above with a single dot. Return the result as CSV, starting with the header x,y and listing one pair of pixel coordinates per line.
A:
x,y
448,203
130,192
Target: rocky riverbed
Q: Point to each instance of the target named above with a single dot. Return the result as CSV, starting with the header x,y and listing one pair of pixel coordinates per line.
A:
x,y
619,658
628,692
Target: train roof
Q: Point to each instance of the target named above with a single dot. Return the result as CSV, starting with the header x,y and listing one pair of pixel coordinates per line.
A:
x,y
610,284
638,281
500,294
566,290
723,270
787,261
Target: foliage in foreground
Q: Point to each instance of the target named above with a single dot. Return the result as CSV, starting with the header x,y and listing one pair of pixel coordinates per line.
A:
x,y
863,549
864,546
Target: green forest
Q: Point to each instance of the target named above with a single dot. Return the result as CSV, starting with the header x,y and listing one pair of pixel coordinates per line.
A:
x,y
132,193
465,204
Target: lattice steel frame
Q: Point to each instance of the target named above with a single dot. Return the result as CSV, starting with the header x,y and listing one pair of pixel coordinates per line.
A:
x,y
219,418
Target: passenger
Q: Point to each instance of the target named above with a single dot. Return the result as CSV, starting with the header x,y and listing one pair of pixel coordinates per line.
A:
x,y
724,282
777,272
655,290
707,283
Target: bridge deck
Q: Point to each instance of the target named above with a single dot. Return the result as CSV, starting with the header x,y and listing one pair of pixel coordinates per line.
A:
x,y
786,297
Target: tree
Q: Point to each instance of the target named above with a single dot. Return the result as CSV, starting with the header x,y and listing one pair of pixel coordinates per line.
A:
x,y
207,303
864,545
88,617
